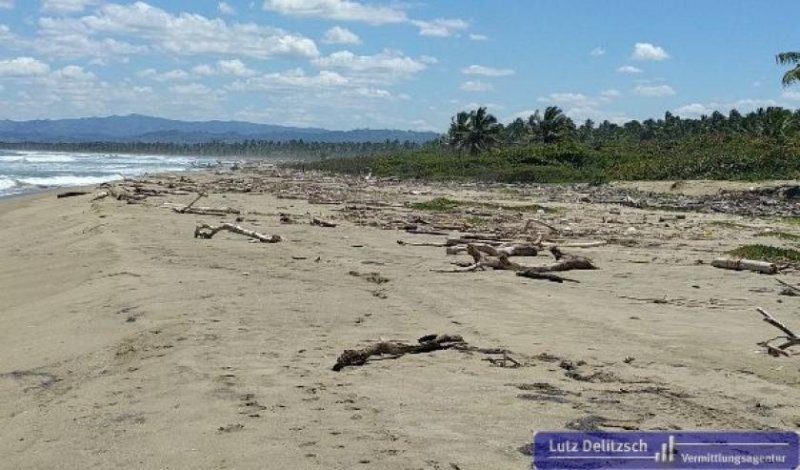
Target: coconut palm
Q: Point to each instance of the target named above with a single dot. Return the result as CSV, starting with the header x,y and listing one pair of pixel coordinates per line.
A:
x,y
790,58
476,131
552,126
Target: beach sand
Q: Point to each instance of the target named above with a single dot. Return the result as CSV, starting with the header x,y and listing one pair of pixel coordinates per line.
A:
x,y
127,343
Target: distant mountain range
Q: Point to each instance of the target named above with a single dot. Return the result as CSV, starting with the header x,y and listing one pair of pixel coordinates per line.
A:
x,y
138,128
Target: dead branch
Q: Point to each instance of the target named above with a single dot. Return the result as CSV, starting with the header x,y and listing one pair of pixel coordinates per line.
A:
x,y
545,276
428,343
790,337
404,243
100,195
565,262
789,286
208,231
481,261
189,206
322,223
745,264
71,194
539,222
507,249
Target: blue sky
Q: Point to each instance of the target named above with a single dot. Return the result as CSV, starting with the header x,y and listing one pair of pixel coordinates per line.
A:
x,y
344,64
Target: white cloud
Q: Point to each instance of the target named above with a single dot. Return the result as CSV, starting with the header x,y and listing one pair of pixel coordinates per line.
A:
x,y
23,67
342,10
386,66
610,93
234,67
791,95
647,51
203,70
478,37
476,85
225,8
743,105
74,72
191,89
6,4
289,80
440,27
597,52
694,109
168,76
629,69
486,71
339,35
67,6
654,90
179,34
568,99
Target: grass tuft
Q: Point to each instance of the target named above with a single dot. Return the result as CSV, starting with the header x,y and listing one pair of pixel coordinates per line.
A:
x,y
766,253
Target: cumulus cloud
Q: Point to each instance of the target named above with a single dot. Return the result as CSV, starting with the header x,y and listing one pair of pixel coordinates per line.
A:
x,y
67,6
441,27
23,67
339,35
342,10
476,85
386,66
647,51
478,37
234,67
654,90
610,93
629,69
743,105
179,34
486,71
566,99
169,76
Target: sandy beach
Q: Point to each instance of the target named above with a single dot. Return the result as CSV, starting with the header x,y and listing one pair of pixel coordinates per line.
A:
x,y
128,343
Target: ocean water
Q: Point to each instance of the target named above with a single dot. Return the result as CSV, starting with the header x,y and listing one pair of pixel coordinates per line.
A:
x,y
28,171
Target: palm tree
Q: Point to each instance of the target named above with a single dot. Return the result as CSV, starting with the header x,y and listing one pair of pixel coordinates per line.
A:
x,y
790,58
476,131
552,126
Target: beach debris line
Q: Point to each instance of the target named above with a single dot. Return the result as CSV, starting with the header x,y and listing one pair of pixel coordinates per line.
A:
x,y
207,231
427,343
746,265
790,338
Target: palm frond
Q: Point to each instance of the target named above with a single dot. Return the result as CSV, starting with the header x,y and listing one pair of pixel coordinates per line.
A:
x,y
788,58
791,76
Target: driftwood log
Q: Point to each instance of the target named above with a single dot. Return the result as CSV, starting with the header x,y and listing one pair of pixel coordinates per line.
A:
x,y
428,343
545,276
71,194
322,223
521,249
745,264
208,231
790,338
564,262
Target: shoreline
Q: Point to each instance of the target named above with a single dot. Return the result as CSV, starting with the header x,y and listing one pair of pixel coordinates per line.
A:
x,y
127,342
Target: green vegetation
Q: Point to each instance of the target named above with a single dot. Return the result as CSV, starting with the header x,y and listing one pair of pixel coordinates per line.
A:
x,y
780,235
443,204
790,58
766,253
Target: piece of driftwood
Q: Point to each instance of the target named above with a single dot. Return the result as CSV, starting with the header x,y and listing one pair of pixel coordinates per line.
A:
x,y
208,231
189,206
71,194
789,287
425,231
322,223
405,243
564,262
791,339
539,222
428,343
100,195
481,261
545,276
745,264
519,249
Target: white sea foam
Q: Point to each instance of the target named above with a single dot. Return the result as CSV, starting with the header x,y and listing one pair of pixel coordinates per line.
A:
x,y
6,183
68,180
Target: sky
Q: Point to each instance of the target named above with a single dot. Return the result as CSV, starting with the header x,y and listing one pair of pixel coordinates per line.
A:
x,y
345,64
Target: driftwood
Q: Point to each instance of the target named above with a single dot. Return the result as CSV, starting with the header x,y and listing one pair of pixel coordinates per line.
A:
x,y
100,195
71,194
794,290
322,223
564,262
539,222
428,343
791,338
522,249
545,276
208,231
745,264
481,262
189,206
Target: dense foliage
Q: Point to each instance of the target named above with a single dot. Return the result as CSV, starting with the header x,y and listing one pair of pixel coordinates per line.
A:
x,y
549,147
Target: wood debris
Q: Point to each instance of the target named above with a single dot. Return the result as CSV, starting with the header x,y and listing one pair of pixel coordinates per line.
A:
x,y
206,231
790,338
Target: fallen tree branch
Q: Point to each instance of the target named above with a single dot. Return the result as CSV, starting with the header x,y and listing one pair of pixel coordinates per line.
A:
x,y
522,249
545,276
565,262
428,343
71,194
791,337
745,264
189,206
206,231
322,223
481,261
789,286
